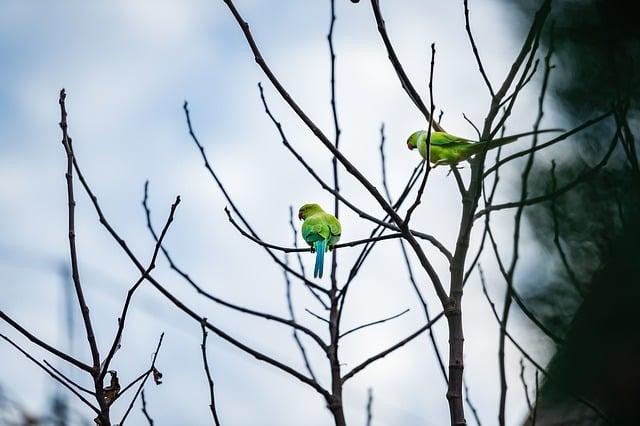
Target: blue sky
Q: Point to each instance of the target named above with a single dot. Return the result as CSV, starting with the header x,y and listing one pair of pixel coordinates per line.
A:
x,y
127,67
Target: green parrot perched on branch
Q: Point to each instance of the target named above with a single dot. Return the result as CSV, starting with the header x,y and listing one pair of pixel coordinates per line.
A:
x,y
447,149
321,231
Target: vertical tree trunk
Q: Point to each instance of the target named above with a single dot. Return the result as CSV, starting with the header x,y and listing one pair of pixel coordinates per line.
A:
x,y
335,404
453,308
456,365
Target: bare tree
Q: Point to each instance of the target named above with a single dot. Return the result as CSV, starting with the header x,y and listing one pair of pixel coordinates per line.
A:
x,y
476,203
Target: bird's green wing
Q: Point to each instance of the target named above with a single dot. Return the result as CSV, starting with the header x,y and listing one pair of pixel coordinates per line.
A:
x,y
443,138
334,228
334,225
315,228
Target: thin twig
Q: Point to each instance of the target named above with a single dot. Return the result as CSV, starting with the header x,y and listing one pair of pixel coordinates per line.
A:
x,y
374,323
427,161
475,49
405,255
144,408
472,407
525,386
226,195
397,66
294,332
589,173
316,316
124,390
215,299
308,249
203,346
556,235
537,365
524,83
468,120
59,379
534,415
380,222
387,351
336,143
75,274
528,46
179,304
378,230
587,124
349,167
151,369
516,296
125,309
487,201
508,297
369,407
43,344
67,379
103,416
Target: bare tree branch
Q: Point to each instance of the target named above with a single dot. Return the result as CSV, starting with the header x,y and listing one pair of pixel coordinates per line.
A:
x,y
308,249
472,407
67,379
203,346
374,323
349,167
144,409
151,370
222,302
405,255
529,45
475,49
56,377
468,120
123,316
44,345
179,304
66,142
369,407
316,316
218,182
516,296
294,332
336,126
427,162
553,141
397,66
538,366
384,223
524,386
556,235
516,240
583,177
387,351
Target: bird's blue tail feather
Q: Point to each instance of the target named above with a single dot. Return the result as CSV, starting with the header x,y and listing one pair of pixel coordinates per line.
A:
x,y
320,247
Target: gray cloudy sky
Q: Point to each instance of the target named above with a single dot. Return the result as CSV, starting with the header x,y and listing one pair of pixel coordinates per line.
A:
x,y
127,67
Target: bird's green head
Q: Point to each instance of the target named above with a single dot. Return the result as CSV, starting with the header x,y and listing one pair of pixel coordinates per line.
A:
x,y
412,142
308,210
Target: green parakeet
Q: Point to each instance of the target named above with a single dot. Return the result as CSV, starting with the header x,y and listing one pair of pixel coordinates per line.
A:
x,y
450,150
321,231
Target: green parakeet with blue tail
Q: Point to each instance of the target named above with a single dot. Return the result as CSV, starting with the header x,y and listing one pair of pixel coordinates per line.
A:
x,y
321,231
450,150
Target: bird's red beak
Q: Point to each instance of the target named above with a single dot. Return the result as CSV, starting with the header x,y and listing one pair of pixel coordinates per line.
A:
x,y
410,147
300,216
